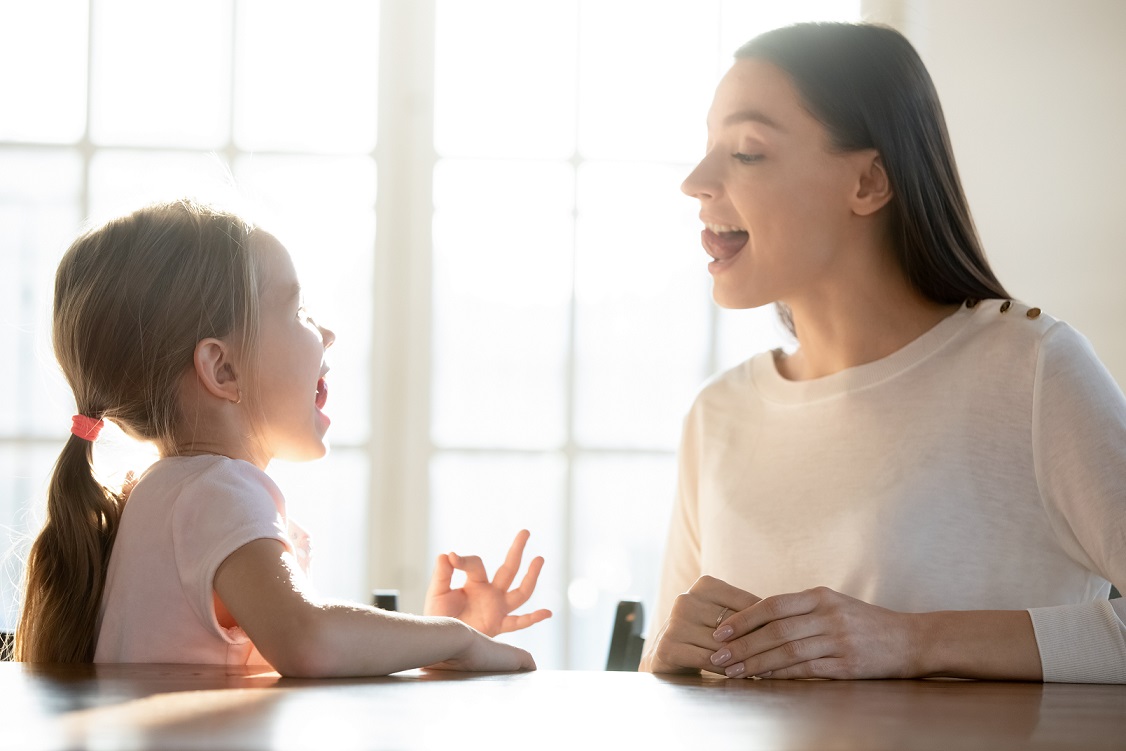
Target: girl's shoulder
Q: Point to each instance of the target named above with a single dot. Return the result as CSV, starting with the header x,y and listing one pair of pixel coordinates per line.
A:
x,y
207,476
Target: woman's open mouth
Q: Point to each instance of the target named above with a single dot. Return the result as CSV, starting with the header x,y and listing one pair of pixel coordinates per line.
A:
x,y
723,242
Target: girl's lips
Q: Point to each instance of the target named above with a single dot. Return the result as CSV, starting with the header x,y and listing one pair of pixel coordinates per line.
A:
x,y
322,393
723,246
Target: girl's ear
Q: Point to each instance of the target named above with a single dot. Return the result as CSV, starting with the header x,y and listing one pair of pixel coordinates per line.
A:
x,y
873,189
215,368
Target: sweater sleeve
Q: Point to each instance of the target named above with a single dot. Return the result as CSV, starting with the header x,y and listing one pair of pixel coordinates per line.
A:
x,y
682,566
1079,440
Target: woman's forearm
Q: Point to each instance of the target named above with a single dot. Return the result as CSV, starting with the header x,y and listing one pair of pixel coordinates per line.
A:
x,y
985,644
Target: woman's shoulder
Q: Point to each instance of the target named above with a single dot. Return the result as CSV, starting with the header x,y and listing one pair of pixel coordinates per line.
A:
x,y
733,382
1009,319
1012,325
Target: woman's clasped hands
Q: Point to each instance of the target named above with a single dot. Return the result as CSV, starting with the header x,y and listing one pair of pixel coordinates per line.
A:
x,y
483,604
816,633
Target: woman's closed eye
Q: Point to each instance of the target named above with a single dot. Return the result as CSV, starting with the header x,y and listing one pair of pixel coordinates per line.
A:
x,y
748,158
304,317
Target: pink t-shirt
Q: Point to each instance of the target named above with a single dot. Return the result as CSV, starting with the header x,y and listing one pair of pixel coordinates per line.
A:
x,y
182,520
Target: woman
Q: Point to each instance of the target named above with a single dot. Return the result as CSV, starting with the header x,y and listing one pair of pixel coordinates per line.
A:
x,y
934,482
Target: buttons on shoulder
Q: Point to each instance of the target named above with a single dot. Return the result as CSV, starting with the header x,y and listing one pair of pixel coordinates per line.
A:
x,y
1033,313
972,303
1006,305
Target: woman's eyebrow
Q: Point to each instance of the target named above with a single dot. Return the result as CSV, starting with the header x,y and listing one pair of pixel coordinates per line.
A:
x,y
753,115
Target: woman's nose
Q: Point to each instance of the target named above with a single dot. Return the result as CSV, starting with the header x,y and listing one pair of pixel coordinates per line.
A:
x,y
698,184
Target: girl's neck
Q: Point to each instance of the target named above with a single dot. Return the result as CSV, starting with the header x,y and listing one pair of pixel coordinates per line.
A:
x,y
199,449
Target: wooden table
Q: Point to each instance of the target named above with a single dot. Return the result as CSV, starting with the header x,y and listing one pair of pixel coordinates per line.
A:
x,y
186,707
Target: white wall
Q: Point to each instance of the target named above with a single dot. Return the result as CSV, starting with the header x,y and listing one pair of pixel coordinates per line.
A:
x,y
1035,97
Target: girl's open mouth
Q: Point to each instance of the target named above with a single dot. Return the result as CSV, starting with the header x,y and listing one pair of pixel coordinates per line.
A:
x,y
322,393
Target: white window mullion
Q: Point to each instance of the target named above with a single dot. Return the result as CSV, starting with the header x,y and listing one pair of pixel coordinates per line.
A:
x,y
400,360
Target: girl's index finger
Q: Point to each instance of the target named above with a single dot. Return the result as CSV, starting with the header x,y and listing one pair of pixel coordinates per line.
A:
x,y
472,566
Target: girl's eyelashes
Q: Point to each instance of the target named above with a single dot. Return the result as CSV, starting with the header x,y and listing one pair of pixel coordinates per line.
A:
x,y
303,315
747,158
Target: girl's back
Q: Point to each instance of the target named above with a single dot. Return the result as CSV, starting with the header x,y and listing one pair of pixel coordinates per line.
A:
x,y
183,518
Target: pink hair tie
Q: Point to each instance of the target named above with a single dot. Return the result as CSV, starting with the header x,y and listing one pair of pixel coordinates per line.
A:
x,y
86,428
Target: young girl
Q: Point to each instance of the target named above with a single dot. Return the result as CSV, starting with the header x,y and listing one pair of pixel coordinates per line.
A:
x,y
934,482
184,325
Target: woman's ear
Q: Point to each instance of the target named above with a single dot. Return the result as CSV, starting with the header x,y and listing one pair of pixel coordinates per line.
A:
x,y
873,188
215,369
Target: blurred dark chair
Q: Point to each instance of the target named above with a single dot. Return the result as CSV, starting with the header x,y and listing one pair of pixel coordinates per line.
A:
x,y
626,640
7,643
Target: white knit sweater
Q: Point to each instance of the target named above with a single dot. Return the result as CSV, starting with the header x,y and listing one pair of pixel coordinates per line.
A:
x,y
982,466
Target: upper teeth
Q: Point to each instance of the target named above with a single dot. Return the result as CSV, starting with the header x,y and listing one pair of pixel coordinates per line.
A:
x,y
720,228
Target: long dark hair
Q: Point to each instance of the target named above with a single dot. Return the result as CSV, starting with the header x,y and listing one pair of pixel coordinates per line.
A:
x,y
867,85
132,299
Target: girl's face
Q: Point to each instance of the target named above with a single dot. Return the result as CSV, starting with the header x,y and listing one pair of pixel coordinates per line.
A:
x,y
290,393
774,195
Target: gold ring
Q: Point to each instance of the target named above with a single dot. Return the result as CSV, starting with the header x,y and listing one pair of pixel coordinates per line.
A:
x,y
722,614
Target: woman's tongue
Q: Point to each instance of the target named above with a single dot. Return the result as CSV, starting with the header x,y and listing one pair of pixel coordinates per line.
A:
x,y
723,246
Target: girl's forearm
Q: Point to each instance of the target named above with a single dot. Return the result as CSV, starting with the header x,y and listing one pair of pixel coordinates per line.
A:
x,y
340,640
984,644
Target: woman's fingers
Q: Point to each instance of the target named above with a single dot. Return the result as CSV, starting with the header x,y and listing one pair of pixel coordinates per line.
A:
x,y
673,655
784,656
817,633
710,590
687,640
769,610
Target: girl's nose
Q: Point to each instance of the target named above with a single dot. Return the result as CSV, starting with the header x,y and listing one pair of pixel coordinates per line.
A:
x,y
327,335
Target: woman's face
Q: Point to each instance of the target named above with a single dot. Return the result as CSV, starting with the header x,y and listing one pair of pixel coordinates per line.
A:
x,y
774,195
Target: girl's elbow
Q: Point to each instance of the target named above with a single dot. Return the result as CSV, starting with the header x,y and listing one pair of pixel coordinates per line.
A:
x,y
305,650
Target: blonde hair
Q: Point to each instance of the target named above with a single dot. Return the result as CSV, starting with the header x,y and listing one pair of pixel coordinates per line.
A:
x,y
132,300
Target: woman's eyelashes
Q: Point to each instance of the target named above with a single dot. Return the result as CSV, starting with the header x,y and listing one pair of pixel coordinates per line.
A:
x,y
747,158
304,317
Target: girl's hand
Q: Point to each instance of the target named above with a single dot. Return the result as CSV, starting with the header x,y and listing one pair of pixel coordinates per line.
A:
x,y
818,633
487,656
482,604
686,642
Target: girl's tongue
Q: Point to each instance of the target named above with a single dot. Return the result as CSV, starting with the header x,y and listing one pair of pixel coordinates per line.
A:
x,y
723,245
322,393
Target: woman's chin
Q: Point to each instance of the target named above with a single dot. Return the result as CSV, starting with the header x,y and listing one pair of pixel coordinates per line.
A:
x,y
736,299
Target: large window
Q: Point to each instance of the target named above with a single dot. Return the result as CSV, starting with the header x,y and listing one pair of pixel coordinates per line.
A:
x,y
483,201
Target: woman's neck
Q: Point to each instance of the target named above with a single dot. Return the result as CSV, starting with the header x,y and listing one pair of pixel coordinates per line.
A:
x,y
849,325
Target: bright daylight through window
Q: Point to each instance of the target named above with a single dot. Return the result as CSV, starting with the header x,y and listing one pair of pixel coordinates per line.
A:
x,y
553,320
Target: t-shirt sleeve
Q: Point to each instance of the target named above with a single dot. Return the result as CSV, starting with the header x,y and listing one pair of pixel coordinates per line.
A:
x,y
1079,439
219,511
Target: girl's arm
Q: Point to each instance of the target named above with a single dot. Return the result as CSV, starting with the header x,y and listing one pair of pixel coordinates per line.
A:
x,y
263,589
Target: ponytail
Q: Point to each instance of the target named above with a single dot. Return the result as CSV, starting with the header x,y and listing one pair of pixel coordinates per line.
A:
x,y
132,299
66,569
